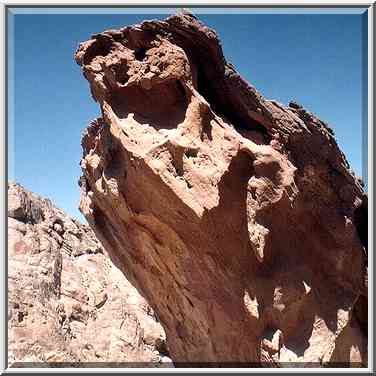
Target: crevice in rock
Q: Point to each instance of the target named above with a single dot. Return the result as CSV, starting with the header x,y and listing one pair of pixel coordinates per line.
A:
x,y
58,267
206,118
190,301
361,223
226,110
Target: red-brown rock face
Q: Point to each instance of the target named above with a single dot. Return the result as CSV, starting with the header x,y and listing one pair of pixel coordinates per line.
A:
x,y
237,218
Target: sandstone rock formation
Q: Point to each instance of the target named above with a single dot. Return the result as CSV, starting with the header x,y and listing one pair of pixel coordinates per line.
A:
x,y
237,218
68,304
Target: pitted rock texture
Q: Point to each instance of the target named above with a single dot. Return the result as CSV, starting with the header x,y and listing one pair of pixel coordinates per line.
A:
x,y
68,304
237,218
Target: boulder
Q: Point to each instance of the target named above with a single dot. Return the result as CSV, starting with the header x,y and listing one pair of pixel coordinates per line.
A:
x,y
237,218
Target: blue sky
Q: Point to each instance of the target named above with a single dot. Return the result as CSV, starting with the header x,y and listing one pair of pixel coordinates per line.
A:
x,y
315,59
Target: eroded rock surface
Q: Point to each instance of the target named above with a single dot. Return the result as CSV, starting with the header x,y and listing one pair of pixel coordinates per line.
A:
x,y
236,217
68,304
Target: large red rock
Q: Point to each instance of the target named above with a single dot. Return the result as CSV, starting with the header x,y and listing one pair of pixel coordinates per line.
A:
x,y
236,217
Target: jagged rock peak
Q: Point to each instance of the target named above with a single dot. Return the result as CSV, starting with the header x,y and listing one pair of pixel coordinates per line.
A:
x,y
236,217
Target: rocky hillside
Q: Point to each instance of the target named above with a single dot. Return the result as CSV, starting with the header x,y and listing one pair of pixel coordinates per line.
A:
x,y
237,217
68,304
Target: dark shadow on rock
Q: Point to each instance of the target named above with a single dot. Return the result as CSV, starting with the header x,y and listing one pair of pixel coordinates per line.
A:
x,y
163,106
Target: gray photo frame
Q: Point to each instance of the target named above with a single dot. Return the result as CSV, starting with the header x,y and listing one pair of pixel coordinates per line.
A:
x,y
12,8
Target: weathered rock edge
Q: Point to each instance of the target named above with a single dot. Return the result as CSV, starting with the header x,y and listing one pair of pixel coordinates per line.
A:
x,y
237,218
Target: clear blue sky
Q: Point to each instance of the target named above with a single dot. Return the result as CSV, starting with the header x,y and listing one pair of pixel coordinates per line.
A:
x,y
315,59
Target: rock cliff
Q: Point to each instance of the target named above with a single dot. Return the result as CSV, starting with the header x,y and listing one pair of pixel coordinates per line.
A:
x,y
237,218
68,304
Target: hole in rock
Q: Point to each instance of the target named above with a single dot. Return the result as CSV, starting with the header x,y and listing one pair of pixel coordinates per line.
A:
x,y
191,153
121,74
99,48
20,316
163,106
161,346
140,54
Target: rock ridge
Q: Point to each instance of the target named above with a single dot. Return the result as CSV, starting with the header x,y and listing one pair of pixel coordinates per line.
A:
x,y
68,305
